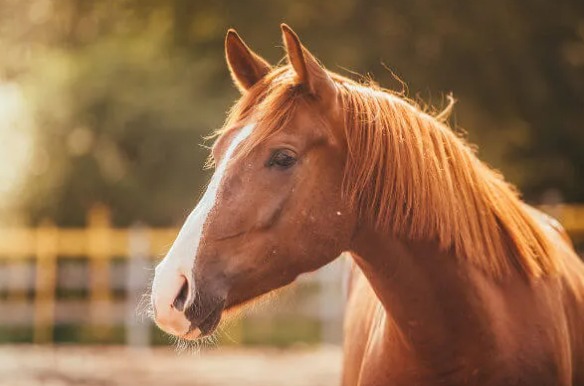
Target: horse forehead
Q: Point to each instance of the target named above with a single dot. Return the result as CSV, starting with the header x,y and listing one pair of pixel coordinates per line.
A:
x,y
235,140
222,143
226,144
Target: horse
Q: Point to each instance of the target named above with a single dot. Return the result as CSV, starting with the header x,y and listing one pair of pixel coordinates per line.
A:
x,y
454,279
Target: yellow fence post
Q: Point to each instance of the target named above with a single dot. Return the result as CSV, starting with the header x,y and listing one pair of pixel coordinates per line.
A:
x,y
45,282
99,239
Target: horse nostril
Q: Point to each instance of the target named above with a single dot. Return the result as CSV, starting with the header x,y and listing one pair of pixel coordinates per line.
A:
x,y
181,298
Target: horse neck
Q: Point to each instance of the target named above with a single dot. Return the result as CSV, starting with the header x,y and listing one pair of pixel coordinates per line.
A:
x,y
434,299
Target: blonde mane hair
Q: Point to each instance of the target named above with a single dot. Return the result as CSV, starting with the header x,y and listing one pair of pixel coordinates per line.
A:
x,y
409,174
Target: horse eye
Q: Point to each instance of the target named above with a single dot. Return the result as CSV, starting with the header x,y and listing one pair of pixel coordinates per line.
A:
x,y
283,159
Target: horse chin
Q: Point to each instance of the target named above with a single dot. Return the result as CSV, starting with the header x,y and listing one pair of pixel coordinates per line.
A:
x,y
211,322
207,326
193,334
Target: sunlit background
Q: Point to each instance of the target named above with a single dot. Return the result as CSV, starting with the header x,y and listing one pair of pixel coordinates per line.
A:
x,y
104,106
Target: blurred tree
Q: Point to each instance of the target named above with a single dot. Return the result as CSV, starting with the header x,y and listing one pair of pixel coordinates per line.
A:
x,y
123,91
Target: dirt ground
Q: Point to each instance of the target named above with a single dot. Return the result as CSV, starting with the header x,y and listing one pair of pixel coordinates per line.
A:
x,y
105,366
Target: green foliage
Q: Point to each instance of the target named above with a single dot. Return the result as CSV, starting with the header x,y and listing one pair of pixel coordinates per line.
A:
x,y
124,91
120,121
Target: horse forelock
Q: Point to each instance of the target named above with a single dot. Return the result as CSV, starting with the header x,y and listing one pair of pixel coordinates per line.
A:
x,y
409,174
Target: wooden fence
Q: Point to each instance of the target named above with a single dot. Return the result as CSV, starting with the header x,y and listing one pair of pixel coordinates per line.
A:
x,y
99,243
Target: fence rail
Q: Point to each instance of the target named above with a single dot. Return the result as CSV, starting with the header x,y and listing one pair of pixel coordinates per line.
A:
x,y
99,243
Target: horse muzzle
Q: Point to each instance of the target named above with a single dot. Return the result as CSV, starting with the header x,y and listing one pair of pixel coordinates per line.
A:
x,y
184,311
170,291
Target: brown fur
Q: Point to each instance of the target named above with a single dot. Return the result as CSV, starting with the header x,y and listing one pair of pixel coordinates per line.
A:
x,y
456,281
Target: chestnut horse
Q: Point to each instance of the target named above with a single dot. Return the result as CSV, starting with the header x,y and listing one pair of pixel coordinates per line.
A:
x,y
456,281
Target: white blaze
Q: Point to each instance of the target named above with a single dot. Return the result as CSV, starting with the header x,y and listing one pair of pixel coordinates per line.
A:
x,y
179,262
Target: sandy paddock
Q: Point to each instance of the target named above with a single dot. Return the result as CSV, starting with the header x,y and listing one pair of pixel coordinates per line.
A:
x,y
101,366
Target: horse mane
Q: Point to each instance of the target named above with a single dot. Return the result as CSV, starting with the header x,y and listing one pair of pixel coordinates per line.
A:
x,y
409,174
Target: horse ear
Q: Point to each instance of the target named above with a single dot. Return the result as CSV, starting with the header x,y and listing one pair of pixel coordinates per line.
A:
x,y
308,70
246,67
